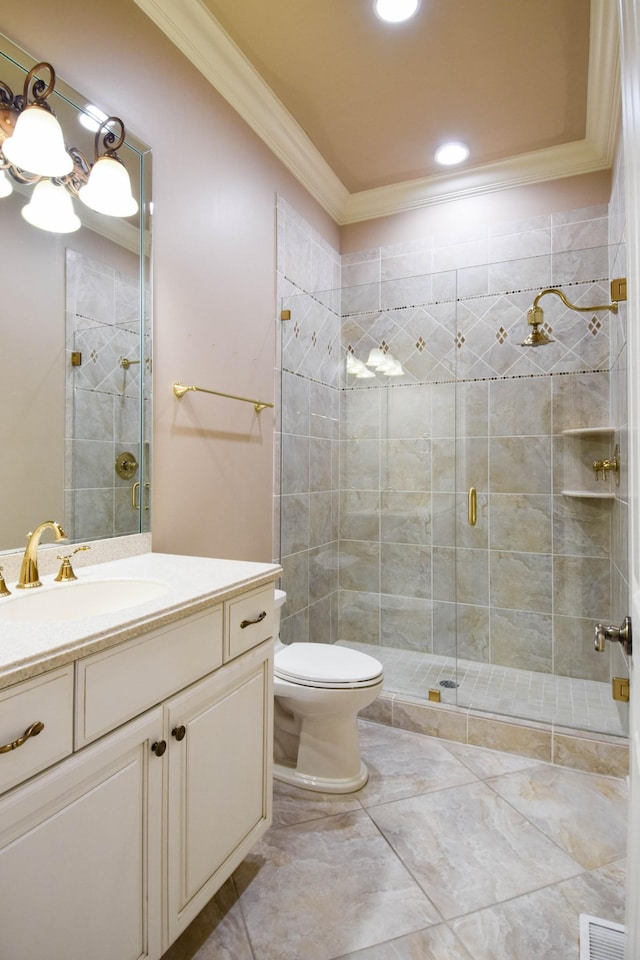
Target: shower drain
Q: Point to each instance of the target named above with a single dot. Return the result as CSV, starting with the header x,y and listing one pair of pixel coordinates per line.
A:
x,y
449,684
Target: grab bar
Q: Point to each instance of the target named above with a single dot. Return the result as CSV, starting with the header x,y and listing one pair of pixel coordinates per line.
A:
x,y
472,506
179,390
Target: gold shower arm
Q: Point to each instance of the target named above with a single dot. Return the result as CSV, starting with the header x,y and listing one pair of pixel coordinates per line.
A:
x,y
179,390
613,307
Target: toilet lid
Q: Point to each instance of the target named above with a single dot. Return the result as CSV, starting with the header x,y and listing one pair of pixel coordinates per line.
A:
x,y
326,665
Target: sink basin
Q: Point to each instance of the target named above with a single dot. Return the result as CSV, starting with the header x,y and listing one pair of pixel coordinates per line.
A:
x,y
75,601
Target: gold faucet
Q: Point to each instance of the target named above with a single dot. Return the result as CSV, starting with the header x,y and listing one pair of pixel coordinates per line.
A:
x,y
29,570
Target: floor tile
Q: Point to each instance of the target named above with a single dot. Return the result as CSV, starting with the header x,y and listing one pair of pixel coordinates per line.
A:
x,y
322,889
403,764
565,804
217,933
489,763
468,848
543,924
293,805
436,943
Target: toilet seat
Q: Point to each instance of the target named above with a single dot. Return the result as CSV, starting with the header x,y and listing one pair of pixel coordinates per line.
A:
x,y
327,666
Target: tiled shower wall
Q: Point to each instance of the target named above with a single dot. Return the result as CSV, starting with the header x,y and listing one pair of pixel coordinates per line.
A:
x,y
307,483
103,413
534,572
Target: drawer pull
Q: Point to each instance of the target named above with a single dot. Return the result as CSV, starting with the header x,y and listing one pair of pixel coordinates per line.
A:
x,y
159,747
258,619
179,732
31,731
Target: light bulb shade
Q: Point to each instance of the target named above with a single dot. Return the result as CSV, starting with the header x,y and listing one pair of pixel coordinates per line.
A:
x,y
50,208
376,357
37,144
394,370
108,189
364,374
5,185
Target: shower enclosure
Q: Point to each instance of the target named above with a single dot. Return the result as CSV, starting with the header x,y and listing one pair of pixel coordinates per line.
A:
x,y
444,514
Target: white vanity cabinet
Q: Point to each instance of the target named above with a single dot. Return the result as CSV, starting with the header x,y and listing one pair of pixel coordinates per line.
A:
x,y
80,854
219,780
111,852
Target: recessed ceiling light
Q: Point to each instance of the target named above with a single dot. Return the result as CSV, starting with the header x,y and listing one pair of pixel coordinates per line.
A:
x,y
395,11
451,153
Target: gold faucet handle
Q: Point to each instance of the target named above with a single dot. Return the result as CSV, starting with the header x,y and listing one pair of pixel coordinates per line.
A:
x,y
65,573
4,590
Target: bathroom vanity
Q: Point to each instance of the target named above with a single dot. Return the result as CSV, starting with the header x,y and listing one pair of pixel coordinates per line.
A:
x,y
151,778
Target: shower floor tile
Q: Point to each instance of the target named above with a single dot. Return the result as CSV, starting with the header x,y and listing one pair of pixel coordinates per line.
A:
x,y
565,701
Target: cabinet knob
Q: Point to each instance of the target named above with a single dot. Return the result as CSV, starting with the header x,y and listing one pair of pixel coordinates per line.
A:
x,y
179,732
159,747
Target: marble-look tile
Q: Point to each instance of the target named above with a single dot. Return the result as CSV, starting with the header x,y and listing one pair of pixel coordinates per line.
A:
x,y
403,764
521,581
468,848
520,465
528,740
543,924
592,756
293,805
217,933
327,888
489,763
434,720
560,802
435,943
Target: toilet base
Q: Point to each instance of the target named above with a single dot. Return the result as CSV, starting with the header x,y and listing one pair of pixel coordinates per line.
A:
x,y
289,774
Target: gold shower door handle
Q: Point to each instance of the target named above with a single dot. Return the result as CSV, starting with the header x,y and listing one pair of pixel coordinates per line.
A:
x,y
472,506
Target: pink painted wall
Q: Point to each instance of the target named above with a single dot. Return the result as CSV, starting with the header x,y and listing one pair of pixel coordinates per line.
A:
x,y
467,216
214,191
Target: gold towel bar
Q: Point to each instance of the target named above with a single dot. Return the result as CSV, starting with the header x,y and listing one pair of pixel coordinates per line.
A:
x,y
179,389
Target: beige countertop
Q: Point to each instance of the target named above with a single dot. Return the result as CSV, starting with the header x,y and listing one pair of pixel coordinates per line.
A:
x,y
191,584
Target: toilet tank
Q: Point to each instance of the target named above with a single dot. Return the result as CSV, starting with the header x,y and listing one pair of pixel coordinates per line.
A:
x,y
279,599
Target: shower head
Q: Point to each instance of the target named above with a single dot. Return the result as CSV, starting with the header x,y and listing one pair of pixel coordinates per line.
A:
x,y
535,315
535,318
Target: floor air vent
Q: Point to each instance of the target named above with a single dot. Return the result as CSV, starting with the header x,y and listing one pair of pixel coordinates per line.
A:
x,y
600,939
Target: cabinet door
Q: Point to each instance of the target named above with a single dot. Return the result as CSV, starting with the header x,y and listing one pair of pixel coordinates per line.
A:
x,y
219,779
80,854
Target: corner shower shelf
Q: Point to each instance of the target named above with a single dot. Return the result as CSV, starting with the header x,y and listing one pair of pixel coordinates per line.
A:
x,y
589,432
588,494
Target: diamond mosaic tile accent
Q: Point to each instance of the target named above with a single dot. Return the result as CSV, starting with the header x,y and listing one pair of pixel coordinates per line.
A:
x,y
594,326
420,345
459,340
501,335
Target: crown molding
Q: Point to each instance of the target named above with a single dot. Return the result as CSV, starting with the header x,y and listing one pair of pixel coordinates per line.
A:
x,y
199,36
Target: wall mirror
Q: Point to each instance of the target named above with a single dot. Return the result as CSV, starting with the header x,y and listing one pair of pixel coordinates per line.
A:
x,y
75,340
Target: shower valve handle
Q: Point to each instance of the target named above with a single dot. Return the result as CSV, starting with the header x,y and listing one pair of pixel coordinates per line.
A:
x,y
622,634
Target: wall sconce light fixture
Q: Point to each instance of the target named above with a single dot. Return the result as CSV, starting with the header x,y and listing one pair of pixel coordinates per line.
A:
x,y
33,152
378,361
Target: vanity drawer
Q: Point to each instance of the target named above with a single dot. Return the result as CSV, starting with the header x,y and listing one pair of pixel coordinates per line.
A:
x,y
249,621
47,699
120,683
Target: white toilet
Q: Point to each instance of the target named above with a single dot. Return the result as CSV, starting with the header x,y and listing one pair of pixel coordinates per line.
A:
x,y
319,689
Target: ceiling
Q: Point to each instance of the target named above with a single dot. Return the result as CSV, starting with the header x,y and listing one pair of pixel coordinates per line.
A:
x,y
356,107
